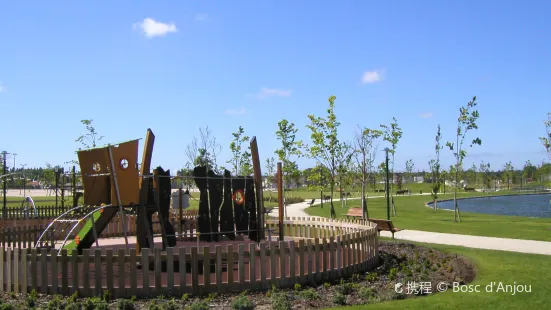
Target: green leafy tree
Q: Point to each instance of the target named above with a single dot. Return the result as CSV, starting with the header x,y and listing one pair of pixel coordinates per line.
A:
x,y
392,134
435,167
241,159
90,138
365,151
529,171
546,140
290,150
344,160
508,174
484,170
325,147
466,122
409,170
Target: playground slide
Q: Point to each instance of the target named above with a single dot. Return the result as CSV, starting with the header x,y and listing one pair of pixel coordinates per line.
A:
x,y
85,237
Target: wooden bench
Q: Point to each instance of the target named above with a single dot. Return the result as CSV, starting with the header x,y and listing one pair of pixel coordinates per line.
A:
x,y
402,192
385,225
328,197
380,191
354,212
311,202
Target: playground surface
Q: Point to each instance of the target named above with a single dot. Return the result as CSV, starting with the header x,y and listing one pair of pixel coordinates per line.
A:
x,y
479,242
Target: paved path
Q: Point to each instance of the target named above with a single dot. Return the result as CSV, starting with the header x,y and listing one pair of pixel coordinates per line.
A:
x,y
479,242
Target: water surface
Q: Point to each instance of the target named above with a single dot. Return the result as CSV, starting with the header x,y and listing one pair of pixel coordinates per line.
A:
x,y
521,205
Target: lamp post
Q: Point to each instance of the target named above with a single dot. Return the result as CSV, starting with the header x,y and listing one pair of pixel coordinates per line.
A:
x,y
5,209
24,179
387,185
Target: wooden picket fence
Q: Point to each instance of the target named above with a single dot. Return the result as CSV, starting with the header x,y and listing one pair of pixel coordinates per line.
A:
x,y
25,233
318,250
42,212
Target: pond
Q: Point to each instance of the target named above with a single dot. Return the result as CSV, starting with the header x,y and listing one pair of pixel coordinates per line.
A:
x,y
518,205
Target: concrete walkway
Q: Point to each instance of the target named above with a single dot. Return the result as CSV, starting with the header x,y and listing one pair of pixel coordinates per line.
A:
x,y
478,242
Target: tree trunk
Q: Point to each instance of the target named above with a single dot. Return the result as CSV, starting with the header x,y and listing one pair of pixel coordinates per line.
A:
x,y
333,214
457,216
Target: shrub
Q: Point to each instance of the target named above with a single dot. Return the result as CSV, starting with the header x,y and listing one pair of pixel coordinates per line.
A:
x,y
326,285
31,299
393,273
280,301
94,303
309,294
339,299
55,303
170,305
366,293
106,295
125,304
185,297
345,288
242,302
5,306
199,305
372,276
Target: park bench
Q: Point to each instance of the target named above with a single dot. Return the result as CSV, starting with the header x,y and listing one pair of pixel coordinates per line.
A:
x,y
469,189
385,225
402,192
354,213
311,202
328,197
379,191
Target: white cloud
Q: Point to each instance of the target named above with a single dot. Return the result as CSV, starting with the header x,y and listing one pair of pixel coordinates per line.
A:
x,y
372,76
240,111
274,92
152,28
202,17
2,88
426,115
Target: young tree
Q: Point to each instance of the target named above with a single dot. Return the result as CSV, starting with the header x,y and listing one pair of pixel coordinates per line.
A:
x,y
324,134
508,174
392,134
546,140
203,151
344,159
435,169
484,169
270,173
365,152
241,160
290,147
468,116
90,138
409,170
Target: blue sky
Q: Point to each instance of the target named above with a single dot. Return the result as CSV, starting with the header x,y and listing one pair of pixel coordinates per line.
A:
x,y
252,63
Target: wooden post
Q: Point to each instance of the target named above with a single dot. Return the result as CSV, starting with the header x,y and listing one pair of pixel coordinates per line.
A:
x,y
259,189
280,199
181,211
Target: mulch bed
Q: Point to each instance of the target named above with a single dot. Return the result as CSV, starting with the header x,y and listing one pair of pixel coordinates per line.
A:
x,y
400,263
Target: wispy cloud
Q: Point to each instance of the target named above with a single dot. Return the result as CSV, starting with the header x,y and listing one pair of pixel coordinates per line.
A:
x,y
202,17
273,92
240,111
372,76
426,115
2,88
152,28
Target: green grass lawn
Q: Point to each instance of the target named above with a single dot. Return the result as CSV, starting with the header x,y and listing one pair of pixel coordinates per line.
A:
x,y
492,266
412,214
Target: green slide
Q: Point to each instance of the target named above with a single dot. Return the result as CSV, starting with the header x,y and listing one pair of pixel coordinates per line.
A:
x,y
86,234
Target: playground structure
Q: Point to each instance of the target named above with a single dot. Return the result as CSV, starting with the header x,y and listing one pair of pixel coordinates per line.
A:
x,y
228,245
